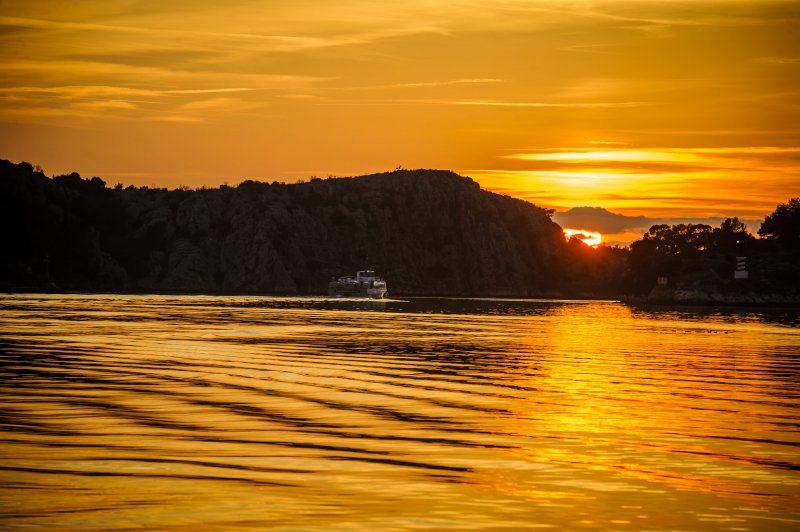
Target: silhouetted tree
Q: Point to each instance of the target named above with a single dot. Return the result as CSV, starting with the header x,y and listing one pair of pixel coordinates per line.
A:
x,y
689,255
783,225
732,239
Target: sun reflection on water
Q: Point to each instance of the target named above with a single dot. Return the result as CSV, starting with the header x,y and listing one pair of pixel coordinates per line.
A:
x,y
168,412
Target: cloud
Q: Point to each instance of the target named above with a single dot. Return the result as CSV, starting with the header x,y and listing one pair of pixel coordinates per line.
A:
x,y
623,229
276,43
746,183
107,105
651,154
52,75
599,219
100,91
299,96
128,103
491,103
677,132
448,82
687,162
418,84
779,60
584,105
166,56
434,84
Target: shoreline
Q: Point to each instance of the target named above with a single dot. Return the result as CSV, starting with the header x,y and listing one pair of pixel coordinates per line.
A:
x,y
663,298
707,298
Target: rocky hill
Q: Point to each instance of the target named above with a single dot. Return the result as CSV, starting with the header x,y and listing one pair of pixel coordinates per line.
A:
x,y
426,231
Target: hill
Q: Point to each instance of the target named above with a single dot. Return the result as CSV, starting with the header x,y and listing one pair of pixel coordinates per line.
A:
x,y
426,231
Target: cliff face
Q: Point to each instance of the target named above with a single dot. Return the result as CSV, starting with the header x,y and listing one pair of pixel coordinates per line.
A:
x,y
425,231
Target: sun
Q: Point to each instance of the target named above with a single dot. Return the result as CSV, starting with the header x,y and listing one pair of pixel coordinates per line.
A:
x,y
590,238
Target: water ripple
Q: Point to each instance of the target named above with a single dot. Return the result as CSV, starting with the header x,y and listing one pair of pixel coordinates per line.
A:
x,y
250,412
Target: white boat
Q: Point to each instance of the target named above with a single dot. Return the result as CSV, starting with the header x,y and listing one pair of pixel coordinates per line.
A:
x,y
365,284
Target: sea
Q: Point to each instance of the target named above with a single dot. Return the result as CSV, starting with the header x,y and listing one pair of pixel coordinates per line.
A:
x,y
165,412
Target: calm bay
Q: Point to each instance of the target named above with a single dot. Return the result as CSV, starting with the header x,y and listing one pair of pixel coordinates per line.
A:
x,y
220,412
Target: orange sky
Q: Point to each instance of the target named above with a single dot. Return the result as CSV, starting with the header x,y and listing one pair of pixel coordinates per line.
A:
x,y
666,109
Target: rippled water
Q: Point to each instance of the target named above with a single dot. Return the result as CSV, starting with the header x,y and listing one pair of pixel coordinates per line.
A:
x,y
165,412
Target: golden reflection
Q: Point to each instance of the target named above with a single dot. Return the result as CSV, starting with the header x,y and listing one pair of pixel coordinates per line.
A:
x,y
525,414
619,416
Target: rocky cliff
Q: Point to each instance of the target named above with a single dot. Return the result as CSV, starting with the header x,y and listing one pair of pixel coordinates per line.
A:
x,y
426,231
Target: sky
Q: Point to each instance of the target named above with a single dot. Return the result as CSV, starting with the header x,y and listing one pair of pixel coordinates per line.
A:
x,y
662,110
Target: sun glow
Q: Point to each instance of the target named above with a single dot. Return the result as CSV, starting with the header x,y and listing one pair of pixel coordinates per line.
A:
x,y
590,109
590,238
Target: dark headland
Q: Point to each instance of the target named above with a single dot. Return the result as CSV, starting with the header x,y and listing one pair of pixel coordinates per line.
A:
x,y
428,232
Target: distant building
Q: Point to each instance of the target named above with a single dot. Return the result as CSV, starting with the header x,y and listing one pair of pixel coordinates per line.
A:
x,y
662,281
741,269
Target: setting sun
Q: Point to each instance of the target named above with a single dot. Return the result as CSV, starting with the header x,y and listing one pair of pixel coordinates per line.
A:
x,y
590,238
612,104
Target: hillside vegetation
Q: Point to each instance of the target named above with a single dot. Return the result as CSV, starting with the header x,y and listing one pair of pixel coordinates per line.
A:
x,y
426,231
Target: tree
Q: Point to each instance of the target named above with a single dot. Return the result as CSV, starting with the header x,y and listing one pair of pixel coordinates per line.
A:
x,y
681,239
733,225
690,255
783,225
732,238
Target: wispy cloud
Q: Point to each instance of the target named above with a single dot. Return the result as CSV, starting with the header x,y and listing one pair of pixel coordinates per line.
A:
x,y
86,102
93,91
447,82
703,132
492,103
280,43
748,180
319,84
697,155
582,105
792,60
414,85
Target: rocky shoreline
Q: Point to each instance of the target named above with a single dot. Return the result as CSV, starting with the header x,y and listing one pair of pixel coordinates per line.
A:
x,y
699,296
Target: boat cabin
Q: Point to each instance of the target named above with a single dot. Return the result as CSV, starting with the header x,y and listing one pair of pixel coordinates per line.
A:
x,y
366,275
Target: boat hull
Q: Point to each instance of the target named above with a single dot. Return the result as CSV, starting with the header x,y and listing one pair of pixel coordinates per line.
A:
x,y
336,289
364,284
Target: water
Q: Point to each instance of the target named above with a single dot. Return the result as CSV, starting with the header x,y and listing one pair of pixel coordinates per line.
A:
x,y
187,413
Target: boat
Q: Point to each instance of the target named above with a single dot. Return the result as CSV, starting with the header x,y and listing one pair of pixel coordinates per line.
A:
x,y
365,284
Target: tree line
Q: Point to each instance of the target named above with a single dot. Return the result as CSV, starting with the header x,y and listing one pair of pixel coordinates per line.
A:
x,y
428,232
701,257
